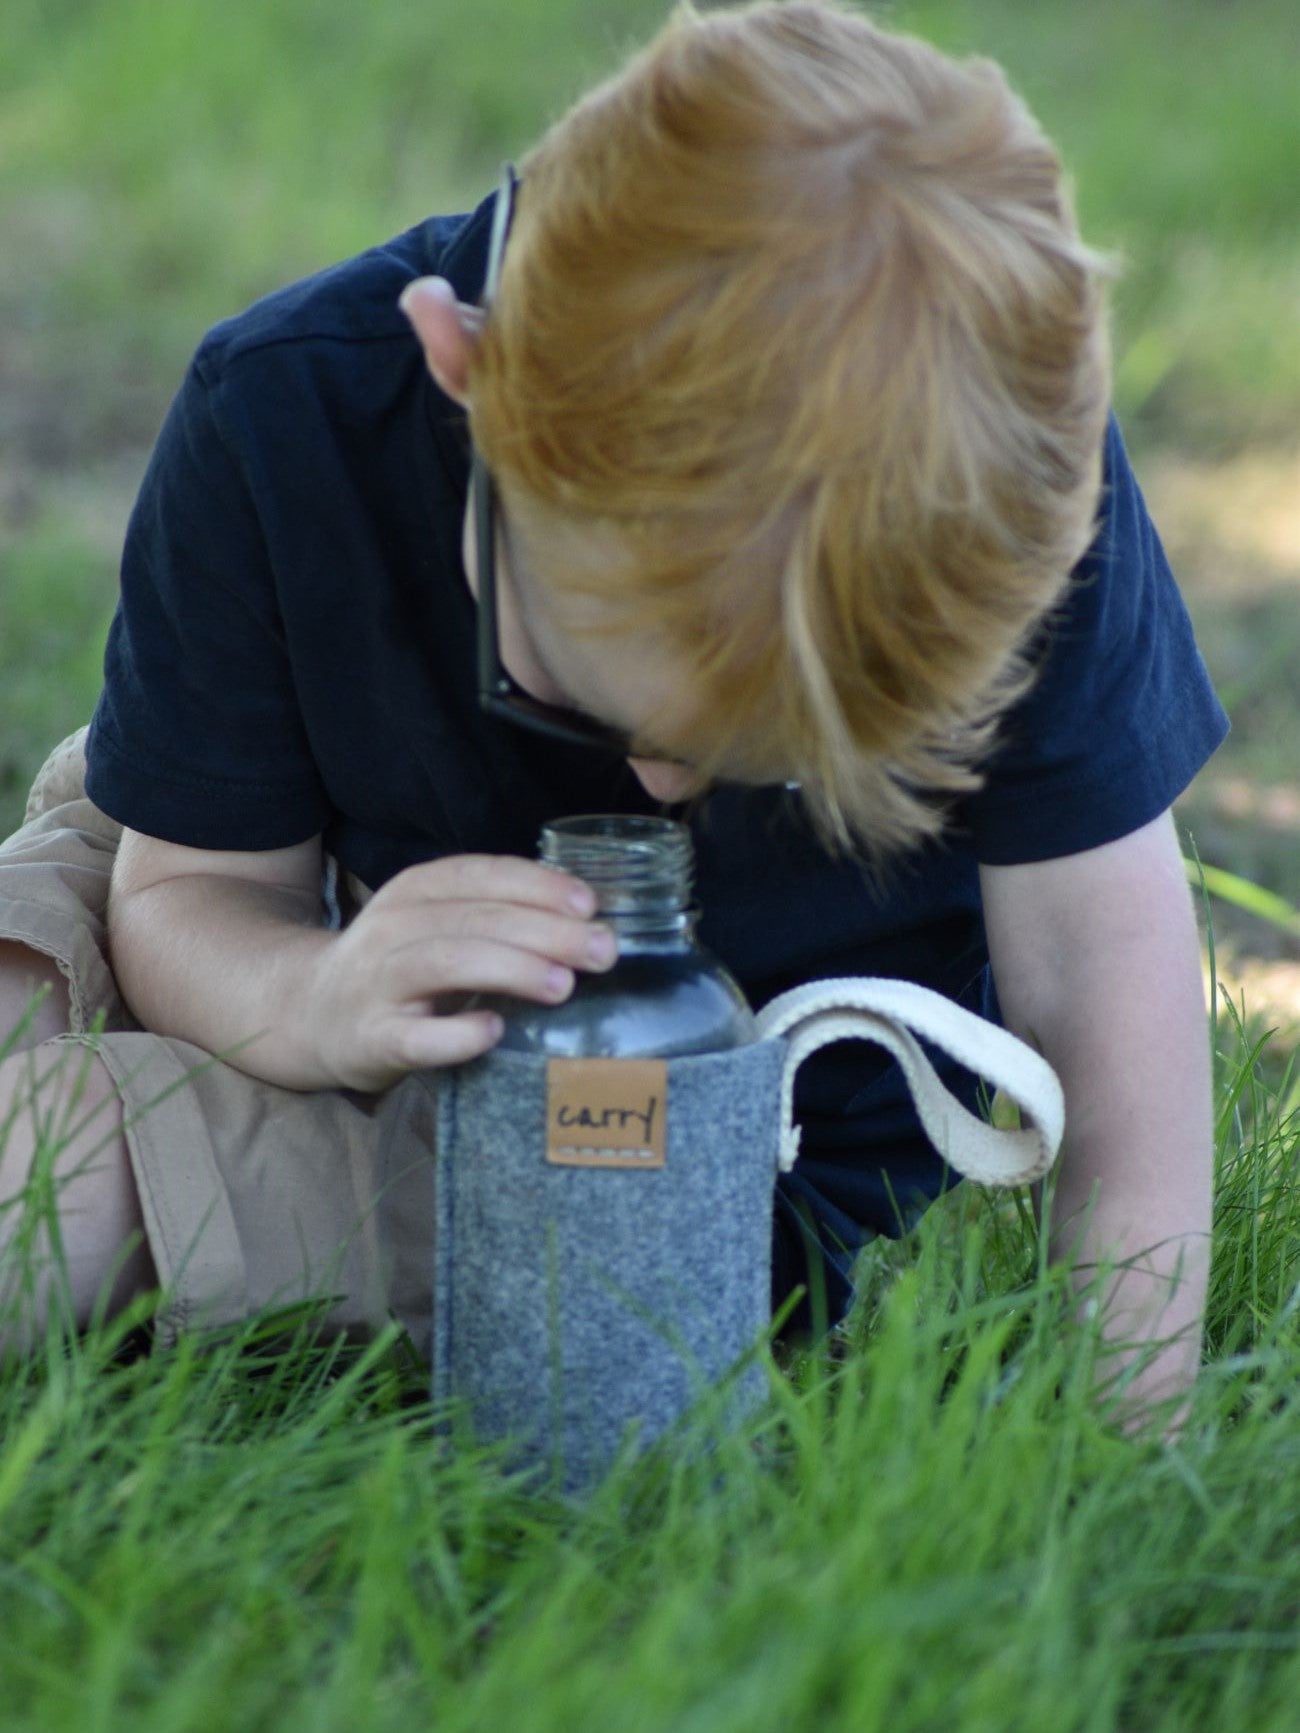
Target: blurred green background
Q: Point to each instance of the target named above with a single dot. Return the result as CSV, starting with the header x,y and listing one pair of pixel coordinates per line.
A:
x,y
161,165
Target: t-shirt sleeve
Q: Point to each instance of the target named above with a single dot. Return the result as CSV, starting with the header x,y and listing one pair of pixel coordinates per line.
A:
x,y
1122,714
197,737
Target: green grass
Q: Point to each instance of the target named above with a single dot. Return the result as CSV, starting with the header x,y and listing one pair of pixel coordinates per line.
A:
x,y
933,1526
52,627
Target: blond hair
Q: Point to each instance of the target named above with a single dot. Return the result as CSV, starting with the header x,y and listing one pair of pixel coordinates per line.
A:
x,y
798,309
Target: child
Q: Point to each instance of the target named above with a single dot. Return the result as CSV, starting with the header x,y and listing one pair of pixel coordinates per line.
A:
x,y
787,385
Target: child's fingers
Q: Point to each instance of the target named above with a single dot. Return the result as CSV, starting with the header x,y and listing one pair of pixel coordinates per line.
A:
x,y
490,947
480,878
435,1042
423,972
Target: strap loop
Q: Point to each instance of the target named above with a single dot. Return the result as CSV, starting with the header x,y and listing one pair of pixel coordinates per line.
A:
x,y
893,1014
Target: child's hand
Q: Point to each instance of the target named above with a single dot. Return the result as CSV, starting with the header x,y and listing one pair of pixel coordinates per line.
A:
x,y
385,990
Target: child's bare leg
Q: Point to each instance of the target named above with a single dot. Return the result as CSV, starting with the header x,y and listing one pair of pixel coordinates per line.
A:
x,y
22,970
98,1206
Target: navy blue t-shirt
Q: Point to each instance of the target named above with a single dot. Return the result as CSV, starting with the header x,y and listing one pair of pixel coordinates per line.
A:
x,y
293,654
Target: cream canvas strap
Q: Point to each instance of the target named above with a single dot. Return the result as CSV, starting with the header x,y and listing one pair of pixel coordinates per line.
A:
x,y
894,1014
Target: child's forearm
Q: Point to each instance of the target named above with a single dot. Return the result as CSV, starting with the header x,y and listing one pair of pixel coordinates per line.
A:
x,y
1134,1188
1105,1211
226,964
1097,963
1153,1309
1131,1048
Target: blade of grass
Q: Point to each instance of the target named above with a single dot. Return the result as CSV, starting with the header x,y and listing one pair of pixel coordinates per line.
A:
x,y
1243,894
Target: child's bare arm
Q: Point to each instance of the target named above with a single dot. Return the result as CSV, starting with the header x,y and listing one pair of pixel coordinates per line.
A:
x,y
229,951
1097,962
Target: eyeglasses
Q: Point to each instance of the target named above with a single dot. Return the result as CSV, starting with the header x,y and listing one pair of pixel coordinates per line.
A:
x,y
498,693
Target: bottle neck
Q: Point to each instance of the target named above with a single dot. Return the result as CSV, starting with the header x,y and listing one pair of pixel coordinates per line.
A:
x,y
637,932
641,871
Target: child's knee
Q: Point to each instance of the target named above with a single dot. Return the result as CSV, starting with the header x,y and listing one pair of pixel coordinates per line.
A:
x,y
24,972
63,1150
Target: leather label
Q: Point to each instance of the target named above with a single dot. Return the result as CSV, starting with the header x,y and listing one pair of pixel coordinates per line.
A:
x,y
606,1112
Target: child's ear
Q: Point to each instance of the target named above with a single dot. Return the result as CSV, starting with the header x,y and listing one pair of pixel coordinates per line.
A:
x,y
448,330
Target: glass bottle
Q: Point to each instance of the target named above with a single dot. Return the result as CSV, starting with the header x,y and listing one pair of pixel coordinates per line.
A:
x,y
666,993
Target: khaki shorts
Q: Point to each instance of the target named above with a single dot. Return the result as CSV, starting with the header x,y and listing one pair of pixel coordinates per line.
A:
x,y
253,1196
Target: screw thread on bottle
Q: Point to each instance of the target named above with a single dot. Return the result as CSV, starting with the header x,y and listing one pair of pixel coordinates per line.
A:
x,y
641,869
